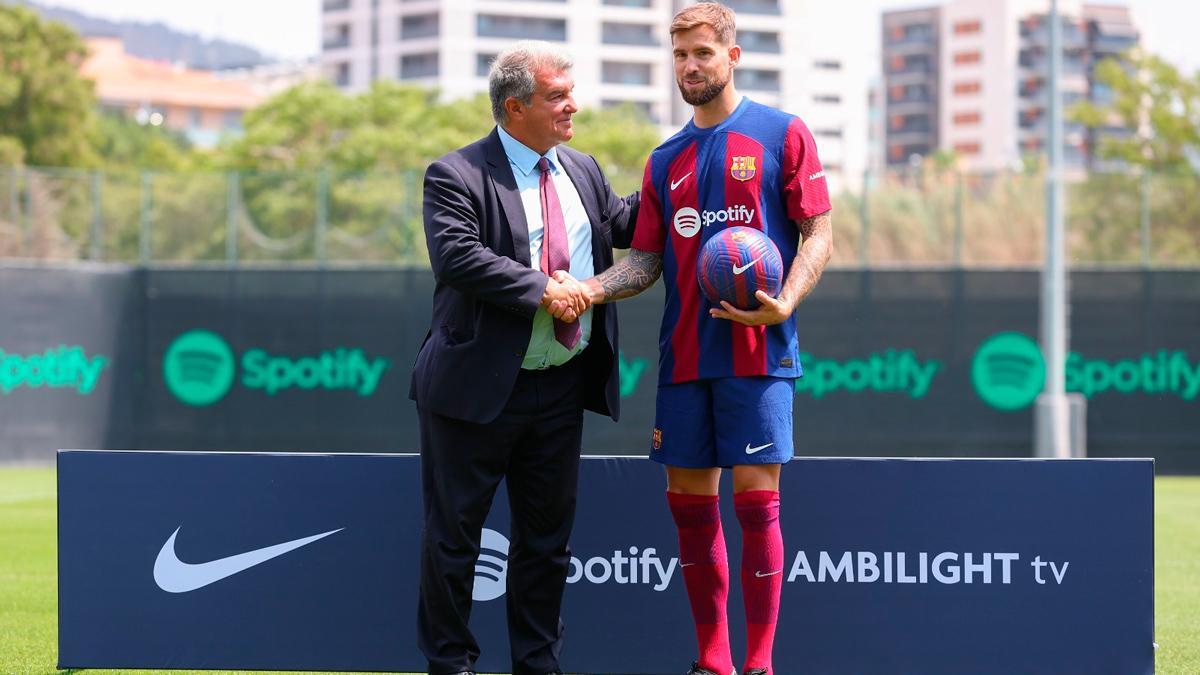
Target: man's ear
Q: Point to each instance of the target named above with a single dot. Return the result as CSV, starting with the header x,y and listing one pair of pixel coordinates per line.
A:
x,y
735,55
513,107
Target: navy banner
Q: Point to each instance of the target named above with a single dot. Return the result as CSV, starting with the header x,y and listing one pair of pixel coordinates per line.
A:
x,y
309,562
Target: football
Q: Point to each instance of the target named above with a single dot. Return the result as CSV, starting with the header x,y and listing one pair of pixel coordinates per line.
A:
x,y
736,262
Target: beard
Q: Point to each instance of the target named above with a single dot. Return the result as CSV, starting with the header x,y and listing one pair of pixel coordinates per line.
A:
x,y
706,94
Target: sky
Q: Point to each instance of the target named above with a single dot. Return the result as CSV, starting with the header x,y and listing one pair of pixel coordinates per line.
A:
x,y
291,28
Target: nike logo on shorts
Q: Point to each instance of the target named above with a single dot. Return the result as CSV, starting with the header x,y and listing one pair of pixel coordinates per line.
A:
x,y
751,451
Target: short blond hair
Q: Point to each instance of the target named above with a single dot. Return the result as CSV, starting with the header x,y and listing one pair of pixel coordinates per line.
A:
x,y
712,14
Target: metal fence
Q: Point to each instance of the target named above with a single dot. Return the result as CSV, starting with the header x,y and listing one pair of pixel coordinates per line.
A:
x,y
919,217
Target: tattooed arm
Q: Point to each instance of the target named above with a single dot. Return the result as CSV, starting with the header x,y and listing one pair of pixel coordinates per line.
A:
x,y
816,247
631,275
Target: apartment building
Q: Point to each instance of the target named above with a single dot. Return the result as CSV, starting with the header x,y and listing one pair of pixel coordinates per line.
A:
x,y
195,103
988,64
621,50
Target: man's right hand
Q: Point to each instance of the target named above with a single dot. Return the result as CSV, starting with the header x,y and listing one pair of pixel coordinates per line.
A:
x,y
564,297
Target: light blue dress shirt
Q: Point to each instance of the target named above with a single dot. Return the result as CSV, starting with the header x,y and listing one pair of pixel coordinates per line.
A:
x,y
544,350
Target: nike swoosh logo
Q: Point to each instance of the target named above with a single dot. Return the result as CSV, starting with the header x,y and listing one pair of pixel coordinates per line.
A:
x,y
738,269
751,451
675,183
760,575
175,576
686,564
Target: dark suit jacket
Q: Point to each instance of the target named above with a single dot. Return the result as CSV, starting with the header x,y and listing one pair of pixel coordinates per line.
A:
x,y
487,294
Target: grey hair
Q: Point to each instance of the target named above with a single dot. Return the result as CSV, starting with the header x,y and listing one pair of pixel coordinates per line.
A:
x,y
512,72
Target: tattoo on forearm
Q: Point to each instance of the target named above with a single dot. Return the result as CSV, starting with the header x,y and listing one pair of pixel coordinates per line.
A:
x,y
816,248
631,275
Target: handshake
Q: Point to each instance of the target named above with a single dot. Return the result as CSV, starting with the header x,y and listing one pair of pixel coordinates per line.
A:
x,y
566,297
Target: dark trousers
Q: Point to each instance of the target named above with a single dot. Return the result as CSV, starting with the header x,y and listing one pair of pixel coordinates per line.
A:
x,y
533,445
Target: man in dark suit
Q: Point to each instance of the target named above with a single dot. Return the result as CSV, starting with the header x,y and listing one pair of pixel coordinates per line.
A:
x,y
513,357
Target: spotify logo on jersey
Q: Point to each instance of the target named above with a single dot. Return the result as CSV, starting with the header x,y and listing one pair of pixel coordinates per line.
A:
x,y
1008,371
199,368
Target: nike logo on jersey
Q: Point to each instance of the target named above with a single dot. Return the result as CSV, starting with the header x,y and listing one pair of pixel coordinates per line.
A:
x,y
676,183
751,451
738,269
760,575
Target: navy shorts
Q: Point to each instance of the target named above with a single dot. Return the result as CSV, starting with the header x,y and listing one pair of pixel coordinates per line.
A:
x,y
724,422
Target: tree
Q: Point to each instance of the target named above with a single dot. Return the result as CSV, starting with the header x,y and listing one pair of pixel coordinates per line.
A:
x,y
46,107
323,171
123,142
1159,106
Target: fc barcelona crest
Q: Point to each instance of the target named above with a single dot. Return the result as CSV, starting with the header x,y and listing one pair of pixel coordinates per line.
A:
x,y
743,168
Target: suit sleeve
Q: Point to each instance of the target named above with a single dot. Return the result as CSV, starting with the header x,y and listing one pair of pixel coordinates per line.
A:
x,y
804,189
650,236
458,257
621,212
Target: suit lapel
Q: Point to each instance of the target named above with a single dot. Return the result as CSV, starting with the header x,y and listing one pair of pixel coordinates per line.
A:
x,y
505,185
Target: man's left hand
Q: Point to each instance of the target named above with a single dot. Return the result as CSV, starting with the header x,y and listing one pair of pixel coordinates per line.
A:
x,y
769,313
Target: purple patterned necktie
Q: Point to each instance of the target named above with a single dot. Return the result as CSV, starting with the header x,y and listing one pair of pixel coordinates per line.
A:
x,y
555,251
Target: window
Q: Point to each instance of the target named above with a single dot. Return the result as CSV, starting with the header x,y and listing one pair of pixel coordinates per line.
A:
x,y
338,38
967,148
965,58
335,5
639,34
758,79
827,65
759,41
232,119
418,65
965,119
341,76
916,63
615,72
628,3
827,98
967,88
521,27
754,6
483,64
968,27
827,133
418,26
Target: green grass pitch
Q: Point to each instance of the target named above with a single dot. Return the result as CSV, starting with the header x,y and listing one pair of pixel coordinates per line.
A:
x,y
28,592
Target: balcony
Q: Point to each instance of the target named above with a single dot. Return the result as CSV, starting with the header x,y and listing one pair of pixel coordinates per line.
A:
x,y
759,41
633,34
335,42
755,6
755,79
415,66
521,28
419,26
